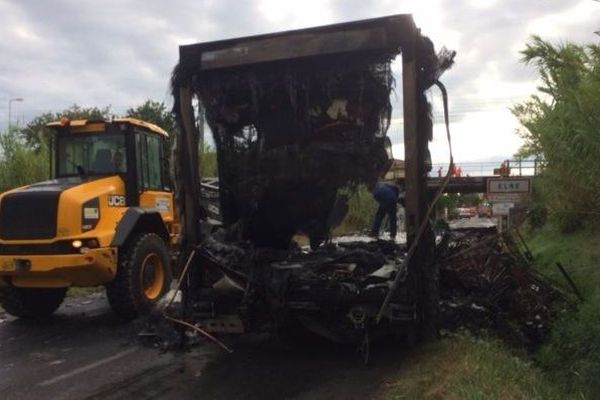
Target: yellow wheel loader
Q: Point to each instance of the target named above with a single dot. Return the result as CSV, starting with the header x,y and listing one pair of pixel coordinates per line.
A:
x,y
105,218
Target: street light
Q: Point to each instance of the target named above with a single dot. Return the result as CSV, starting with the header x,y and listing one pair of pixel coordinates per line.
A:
x,y
9,108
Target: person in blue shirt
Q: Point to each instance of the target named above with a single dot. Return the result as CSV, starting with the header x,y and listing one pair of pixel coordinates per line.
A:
x,y
387,196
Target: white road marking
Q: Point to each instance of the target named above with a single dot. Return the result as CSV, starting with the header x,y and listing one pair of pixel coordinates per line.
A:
x,y
86,368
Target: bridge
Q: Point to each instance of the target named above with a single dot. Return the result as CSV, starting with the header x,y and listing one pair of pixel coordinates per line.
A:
x,y
474,176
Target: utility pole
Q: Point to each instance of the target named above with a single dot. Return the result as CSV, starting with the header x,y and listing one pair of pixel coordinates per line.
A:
x,y
10,101
598,31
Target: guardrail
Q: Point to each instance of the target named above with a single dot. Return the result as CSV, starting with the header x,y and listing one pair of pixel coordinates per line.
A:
x,y
514,168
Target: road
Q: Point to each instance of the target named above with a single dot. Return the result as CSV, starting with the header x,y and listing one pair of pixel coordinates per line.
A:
x,y
84,352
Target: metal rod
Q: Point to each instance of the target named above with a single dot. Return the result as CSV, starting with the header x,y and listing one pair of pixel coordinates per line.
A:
x,y
570,281
10,101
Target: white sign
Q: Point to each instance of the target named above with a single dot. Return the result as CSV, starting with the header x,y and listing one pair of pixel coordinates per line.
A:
x,y
509,185
507,197
162,203
501,208
91,213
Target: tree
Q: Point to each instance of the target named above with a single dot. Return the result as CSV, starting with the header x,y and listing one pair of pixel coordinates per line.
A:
x,y
561,123
20,164
35,133
154,112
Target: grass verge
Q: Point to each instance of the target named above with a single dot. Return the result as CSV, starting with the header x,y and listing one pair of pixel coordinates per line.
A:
x,y
465,367
571,354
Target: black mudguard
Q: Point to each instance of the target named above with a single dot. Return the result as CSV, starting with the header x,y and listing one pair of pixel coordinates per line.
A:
x,y
136,220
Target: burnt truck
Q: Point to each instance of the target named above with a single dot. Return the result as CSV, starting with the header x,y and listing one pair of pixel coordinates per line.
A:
x,y
297,118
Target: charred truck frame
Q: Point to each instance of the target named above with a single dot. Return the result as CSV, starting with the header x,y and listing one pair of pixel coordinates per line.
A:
x,y
296,116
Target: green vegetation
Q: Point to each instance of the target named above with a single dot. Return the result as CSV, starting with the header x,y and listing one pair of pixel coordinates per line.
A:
x,y
361,209
36,135
20,164
465,367
156,113
78,292
562,125
571,355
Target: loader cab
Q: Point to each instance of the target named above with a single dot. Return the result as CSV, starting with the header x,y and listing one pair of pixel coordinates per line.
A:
x,y
130,148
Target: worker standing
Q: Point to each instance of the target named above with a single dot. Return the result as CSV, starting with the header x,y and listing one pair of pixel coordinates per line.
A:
x,y
386,195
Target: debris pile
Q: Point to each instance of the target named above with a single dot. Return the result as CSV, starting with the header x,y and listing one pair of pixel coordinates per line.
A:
x,y
488,283
331,291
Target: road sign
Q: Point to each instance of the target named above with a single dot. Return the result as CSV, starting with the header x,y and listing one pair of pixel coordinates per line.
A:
x,y
502,208
509,185
508,197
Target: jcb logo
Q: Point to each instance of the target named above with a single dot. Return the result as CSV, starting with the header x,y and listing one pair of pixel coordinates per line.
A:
x,y
116,200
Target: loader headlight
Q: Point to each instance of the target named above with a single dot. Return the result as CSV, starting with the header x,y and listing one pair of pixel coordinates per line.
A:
x,y
77,244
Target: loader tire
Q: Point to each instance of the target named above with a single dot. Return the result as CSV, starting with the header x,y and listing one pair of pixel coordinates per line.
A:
x,y
31,302
143,276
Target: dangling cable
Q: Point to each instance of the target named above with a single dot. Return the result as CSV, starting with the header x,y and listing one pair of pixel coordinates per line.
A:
x,y
182,322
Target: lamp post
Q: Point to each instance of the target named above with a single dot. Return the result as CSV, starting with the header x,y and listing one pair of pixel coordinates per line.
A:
x,y
10,109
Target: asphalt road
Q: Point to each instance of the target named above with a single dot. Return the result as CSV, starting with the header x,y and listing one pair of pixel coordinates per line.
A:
x,y
84,352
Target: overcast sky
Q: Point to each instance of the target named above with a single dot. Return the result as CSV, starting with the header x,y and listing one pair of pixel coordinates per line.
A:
x,y
116,52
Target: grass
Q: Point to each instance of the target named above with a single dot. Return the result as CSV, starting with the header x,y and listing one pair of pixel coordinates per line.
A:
x,y
465,367
571,355
579,253
76,292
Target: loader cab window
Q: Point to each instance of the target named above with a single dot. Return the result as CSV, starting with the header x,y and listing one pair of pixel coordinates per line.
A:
x,y
90,154
150,168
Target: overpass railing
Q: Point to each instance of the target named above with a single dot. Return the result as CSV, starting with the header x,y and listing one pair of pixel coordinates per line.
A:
x,y
515,168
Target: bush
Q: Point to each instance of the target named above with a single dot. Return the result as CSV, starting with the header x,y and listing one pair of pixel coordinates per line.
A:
x,y
561,128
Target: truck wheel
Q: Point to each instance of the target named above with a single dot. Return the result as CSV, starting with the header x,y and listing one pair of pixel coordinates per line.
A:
x,y
31,302
143,276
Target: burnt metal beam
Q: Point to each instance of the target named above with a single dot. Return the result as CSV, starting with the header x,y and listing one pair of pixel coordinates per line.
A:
x,y
386,33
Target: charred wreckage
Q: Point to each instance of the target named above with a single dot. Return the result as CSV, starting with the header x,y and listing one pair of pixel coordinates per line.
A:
x,y
297,116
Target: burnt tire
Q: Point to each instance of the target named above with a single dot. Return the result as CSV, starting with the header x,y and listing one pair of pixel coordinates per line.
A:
x,y
143,276
31,302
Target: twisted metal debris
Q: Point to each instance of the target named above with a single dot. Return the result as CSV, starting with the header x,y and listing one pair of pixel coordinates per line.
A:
x,y
488,282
